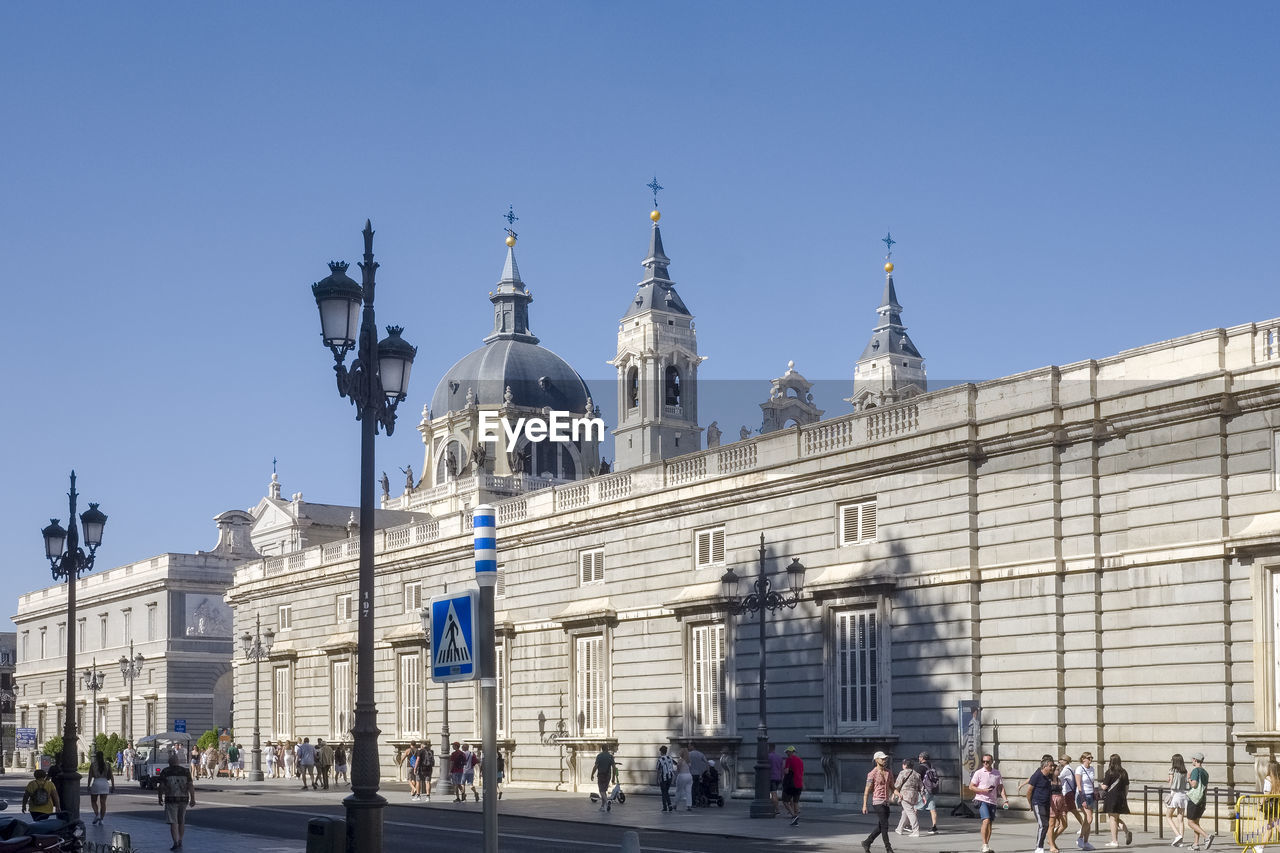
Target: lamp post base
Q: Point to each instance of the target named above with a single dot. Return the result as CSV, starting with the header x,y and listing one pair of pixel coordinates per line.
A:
x,y
364,821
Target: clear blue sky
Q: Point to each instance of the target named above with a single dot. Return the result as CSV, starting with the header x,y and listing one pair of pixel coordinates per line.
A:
x,y
1064,180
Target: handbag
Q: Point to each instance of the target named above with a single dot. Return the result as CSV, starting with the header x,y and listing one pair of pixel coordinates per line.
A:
x,y
1196,794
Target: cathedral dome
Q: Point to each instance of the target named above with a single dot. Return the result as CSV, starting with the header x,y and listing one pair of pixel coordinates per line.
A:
x,y
537,377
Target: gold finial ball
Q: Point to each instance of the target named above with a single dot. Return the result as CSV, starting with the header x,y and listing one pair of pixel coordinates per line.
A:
x,y
888,267
655,216
511,241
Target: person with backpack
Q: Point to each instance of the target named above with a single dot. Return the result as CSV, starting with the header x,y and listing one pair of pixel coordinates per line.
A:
x,y
177,792
41,796
930,783
423,769
666,775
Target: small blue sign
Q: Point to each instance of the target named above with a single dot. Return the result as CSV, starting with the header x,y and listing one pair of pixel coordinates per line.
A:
x,y
453,627
26,738
179,725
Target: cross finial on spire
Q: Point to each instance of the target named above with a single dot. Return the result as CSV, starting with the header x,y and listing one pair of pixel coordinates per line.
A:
x,y
656,187
511,218
273,465
888,241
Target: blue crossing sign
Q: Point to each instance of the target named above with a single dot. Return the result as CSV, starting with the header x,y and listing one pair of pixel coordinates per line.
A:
x,y
454,618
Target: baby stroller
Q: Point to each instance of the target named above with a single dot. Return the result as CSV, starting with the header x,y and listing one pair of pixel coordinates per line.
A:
x,y
707,789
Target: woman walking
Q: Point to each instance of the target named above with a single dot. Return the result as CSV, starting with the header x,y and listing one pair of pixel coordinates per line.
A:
x,y
684,781
101,783
1271,805
1115,800
907,789
1086,798
1063,803
1176,802
290,760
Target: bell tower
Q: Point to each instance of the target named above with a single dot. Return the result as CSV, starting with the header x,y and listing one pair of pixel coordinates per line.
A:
x,y
657,364
891,369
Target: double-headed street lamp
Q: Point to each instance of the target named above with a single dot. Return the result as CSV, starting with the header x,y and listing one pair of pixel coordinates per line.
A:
x,y
763,598
69,561
256,647
92,679
375,383
131,668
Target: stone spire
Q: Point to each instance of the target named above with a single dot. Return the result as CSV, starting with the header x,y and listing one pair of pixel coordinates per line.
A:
x,y
890,368
511,301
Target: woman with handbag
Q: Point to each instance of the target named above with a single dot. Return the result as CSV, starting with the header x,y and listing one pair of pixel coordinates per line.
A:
x,y
101,783
1115,800
1176,803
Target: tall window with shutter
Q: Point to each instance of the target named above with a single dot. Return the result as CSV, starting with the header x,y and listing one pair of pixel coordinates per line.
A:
x,y
708,548
591,566
857,522
282,702
411,694
857,661
707,646
589,672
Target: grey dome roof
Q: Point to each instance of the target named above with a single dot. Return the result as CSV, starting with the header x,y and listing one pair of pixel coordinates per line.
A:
x,y
537,377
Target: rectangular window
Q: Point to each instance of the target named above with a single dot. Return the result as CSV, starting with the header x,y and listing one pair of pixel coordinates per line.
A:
x,y
284,617
591,566
1275,458
709,547
410,694
80,719
103,724
26,646
342,717
857,522
82,634
281,702
346,607
102,631
151,716
152,621
62,638
500,666
857,667
413,597
707,643
126,622
43,650
589,672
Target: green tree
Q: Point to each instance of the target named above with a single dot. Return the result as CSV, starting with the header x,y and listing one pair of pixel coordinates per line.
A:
x,y
208,739
52,747
110,745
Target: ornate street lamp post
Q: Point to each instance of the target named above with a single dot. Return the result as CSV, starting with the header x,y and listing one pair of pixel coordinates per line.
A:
x,y
131,668
763,598
69,561
375,383
8,705
92,679
256,647
445,785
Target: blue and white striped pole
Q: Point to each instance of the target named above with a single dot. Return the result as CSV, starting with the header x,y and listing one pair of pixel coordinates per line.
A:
x,y
486,542
485,531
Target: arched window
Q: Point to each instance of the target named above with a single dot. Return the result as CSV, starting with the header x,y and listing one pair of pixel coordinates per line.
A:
x,y
633,387
671,387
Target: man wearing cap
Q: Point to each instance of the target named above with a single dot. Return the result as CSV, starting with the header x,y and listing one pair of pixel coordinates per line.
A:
x,y
987,785
879,786
457,760
792,784
1198,779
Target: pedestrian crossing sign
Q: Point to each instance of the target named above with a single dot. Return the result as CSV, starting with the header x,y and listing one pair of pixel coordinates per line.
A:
x,y
453,633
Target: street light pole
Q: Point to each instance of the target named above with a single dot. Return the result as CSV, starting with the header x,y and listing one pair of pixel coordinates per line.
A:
x,y
92,679
8,705
256,647
68,560
131,668
763,598
376,383
445,786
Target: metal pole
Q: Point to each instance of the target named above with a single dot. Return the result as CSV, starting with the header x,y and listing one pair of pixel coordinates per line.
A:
x,y
255,772
132,676
485,529
364,805
93,691
69,782
762,806
446,781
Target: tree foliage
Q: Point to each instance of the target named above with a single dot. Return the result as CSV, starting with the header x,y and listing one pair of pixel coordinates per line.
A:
x,y
208,739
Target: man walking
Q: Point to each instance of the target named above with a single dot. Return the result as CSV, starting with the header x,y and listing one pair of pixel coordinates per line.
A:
x,y
307,763
929,784
602,771
697,767
1198,779
324,761
456,761
177,792
424,769
987,786
666,775
775,775
879,785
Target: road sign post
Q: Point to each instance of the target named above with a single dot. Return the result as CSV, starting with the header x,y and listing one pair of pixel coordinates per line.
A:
x,y
483,525
454,617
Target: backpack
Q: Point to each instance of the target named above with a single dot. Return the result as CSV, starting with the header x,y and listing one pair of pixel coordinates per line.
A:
x,y
175,784
930,781
40,796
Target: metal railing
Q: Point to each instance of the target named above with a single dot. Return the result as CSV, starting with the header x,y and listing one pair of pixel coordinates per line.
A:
x,y
1215,797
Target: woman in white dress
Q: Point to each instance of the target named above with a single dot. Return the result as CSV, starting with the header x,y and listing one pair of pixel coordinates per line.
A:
x,y
269,755
101,783
290,760
1176,803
